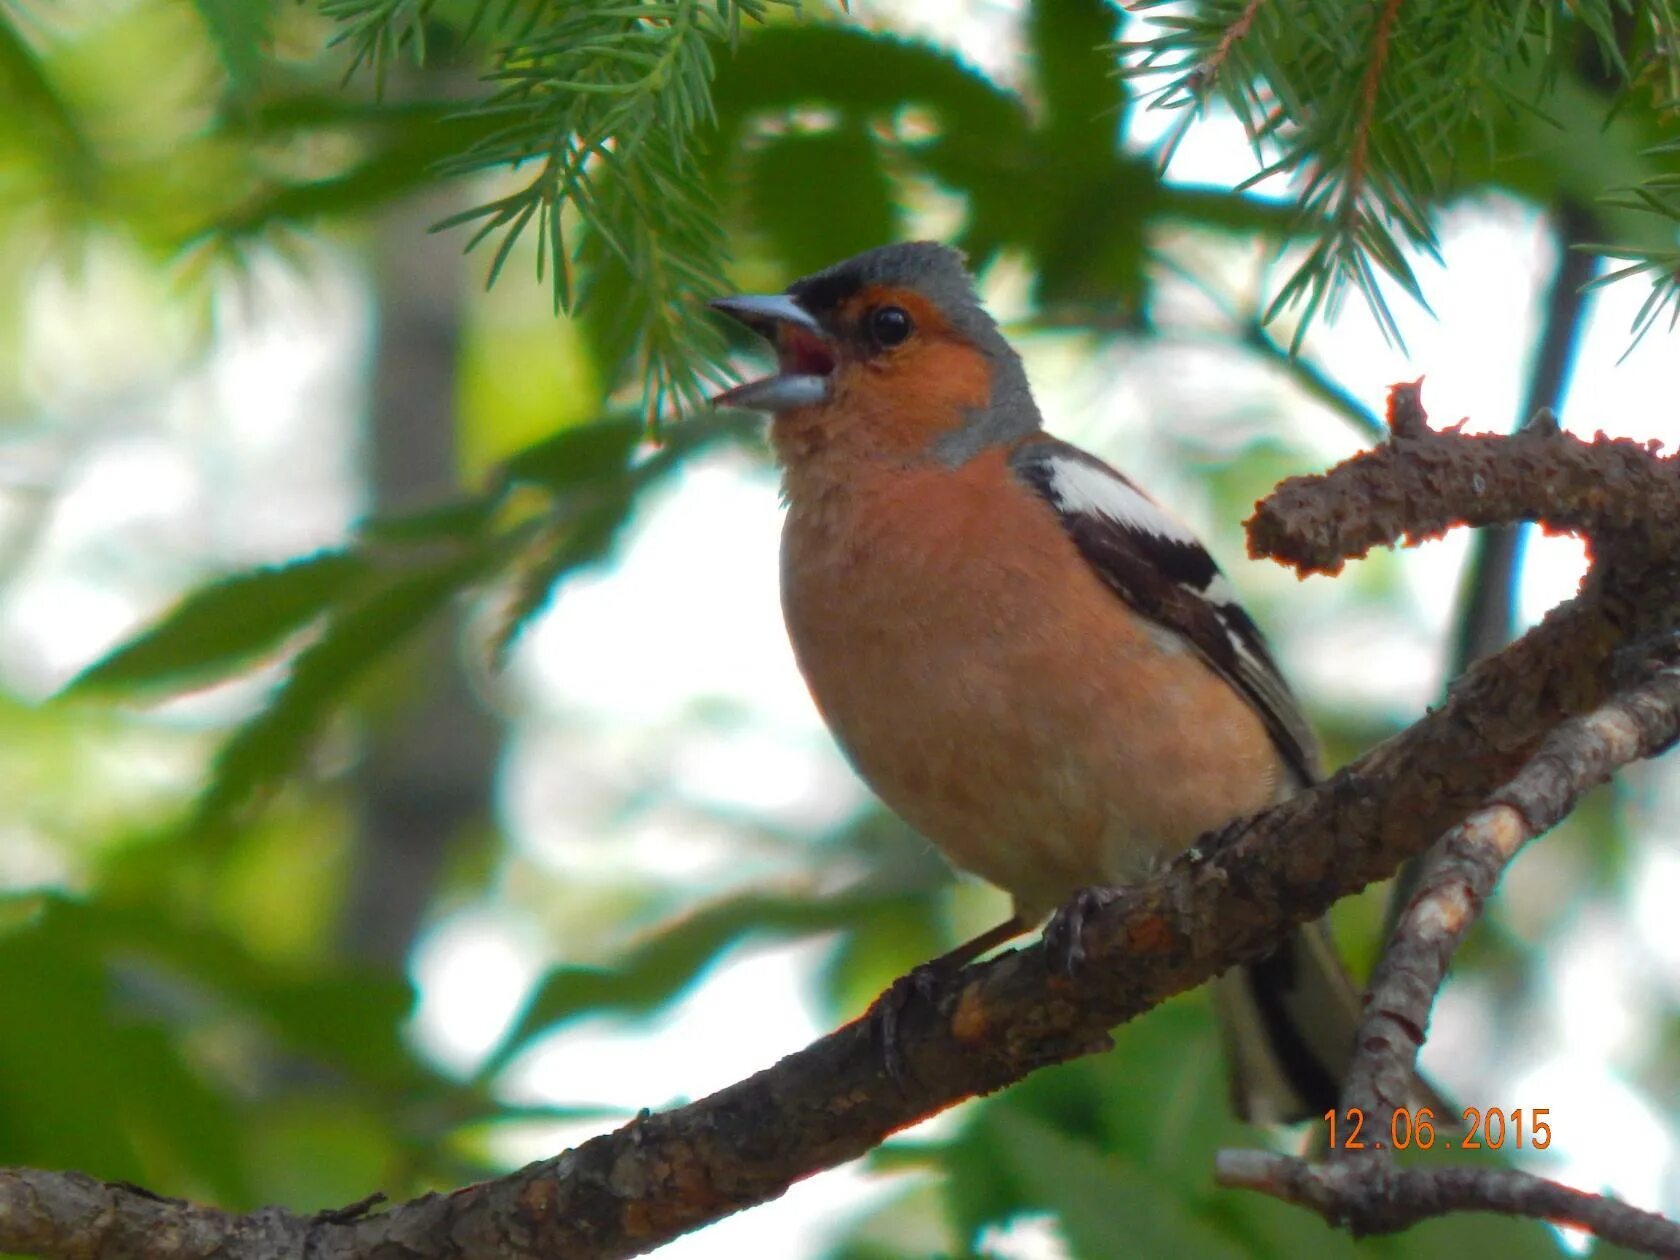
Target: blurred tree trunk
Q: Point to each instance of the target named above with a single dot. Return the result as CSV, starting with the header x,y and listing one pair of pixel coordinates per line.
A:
x,y
426,772
1487,597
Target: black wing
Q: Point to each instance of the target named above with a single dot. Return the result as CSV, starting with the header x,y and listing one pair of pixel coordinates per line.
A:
x,y
1158,567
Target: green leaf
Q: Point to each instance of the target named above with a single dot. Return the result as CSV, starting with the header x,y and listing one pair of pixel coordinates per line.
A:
x,y
1057,189
1068,43
1094,1140
884,942
322,1146
588,466
272,745
398,147
1108,1207
91,1077
579,456
780,68
1161,1097
857,210
352,1019
579,539
341,1016
979,144
463,523
30,93
1146,1117
220,627
663,965
239,29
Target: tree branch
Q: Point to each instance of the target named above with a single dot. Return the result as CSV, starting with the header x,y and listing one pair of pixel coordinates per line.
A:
x,y
1227,900
1424,481
1363,1189
1576,757
1485,616
1310,379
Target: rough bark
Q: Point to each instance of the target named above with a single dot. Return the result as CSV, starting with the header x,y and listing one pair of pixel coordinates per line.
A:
x,y
1485,618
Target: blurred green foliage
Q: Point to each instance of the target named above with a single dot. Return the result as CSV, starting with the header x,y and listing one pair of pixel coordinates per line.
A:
x,y
175,1010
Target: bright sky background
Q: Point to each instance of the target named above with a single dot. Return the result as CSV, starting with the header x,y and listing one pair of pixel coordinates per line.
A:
x,y
243,457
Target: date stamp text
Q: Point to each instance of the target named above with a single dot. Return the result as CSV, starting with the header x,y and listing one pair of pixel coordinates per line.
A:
x,y
1478,1129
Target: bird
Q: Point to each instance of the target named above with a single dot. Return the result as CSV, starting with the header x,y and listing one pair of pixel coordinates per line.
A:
x,y
1026,657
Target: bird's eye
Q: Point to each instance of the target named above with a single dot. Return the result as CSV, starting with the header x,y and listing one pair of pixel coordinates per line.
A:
x,y
889,325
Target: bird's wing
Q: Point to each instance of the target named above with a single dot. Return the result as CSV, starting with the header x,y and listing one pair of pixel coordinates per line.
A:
x,y
1150,560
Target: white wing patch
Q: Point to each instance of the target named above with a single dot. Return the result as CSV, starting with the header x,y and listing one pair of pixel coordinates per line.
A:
x,y
1157,566
1220,591
1080,487
1273,692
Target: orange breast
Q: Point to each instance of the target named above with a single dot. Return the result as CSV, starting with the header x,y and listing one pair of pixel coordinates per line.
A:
x,y
995,693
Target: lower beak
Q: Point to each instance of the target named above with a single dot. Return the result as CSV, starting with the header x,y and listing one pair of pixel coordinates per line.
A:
x,y
804,354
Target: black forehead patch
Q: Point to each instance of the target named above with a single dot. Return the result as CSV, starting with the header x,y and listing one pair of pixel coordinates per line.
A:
x,y
933,270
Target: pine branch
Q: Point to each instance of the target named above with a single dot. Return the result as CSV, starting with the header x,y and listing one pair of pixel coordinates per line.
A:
x,y
1370,108
1662,268
1658,196
376,31
597,109
1354,237
1227,26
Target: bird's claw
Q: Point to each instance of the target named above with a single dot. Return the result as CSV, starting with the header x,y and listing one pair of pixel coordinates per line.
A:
x,y
1064,935
887,1014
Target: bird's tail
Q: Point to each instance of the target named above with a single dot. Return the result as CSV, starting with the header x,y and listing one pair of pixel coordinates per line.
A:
x,y
1288,1023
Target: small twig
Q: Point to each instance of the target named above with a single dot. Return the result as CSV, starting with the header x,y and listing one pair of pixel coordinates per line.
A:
x,y
1312,379
1373,1197
1364,1190
1250,329
1467,863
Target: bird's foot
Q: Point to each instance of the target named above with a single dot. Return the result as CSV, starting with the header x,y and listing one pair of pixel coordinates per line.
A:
x,y
1219,839
924,980
1064,935
886,1015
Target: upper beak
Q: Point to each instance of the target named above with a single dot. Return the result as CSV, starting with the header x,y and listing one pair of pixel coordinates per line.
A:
x,y
804,354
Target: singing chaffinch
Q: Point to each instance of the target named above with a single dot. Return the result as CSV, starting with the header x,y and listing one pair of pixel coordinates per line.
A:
x,y
1028,659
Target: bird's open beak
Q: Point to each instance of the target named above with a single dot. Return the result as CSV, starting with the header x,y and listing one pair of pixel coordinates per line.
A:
x,y
804,354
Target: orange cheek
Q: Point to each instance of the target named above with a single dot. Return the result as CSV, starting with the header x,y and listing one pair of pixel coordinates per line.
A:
x,y
912,399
